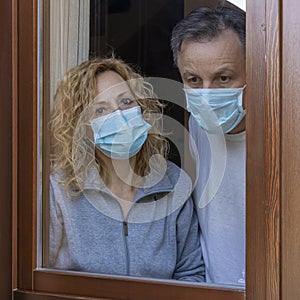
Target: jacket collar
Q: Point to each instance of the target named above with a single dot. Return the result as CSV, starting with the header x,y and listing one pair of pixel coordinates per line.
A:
x,y
173,178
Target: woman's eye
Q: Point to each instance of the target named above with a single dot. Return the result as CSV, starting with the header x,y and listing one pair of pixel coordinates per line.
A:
x,y
126,101
100,111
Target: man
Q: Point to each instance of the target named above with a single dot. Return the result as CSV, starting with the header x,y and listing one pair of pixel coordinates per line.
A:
x,y
209,50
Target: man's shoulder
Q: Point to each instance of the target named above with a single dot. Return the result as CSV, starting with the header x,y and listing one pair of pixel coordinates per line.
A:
x,y
196,132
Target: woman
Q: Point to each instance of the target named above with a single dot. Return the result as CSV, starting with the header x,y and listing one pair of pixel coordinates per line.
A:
x,y
117,206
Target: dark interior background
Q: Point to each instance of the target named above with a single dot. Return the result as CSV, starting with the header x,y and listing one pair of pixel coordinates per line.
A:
x,y
139,33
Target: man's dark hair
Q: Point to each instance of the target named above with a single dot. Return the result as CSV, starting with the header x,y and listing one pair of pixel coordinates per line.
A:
x,y
206,23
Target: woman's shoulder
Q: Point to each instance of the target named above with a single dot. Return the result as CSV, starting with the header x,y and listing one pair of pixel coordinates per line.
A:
x,y
57,186
178,177
173,170
56,177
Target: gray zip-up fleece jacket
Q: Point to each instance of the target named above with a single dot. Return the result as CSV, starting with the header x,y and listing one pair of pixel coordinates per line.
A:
x,y
159,238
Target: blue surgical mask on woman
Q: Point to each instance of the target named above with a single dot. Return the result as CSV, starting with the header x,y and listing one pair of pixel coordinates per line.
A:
x,y
120,134
216,110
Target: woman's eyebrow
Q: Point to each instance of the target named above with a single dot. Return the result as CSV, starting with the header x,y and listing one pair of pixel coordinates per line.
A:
x,y
106,101
121,94
101,102
126,93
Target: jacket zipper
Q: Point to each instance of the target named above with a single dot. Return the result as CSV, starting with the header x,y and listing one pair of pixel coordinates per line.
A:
x,y
125,227
125,230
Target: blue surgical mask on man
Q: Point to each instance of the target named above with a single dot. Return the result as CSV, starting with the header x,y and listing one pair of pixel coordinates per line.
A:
x,y
216,110
120,134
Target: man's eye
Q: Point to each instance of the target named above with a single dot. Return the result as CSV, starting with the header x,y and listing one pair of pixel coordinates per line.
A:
x,y
224,79
193,80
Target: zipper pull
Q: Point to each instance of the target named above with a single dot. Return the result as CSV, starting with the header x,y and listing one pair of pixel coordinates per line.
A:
x,y
125,226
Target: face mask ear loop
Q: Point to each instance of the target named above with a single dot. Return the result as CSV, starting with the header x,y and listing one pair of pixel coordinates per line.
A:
x,y
242,100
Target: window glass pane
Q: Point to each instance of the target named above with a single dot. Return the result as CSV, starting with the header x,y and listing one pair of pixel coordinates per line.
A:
x,y
89,221
240,3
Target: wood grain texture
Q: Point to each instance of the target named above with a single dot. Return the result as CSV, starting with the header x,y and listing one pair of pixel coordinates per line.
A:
x,y
273,142
27,140
290,150
6,149
45,139
128,288
29,295
255,140
15,143
263,150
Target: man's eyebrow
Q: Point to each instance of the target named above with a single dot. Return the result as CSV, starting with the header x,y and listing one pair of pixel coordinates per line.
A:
x,y
225,69
188,73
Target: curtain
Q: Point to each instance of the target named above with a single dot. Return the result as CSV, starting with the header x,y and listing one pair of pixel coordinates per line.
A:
x,y
69,37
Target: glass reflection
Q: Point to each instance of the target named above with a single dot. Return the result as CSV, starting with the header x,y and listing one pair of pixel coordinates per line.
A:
x,y
93,29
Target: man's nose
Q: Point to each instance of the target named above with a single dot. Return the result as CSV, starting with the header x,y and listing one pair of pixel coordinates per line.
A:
x,y
208,84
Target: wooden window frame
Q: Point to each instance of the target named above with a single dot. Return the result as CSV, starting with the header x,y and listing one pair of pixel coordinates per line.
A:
x,y
263,175
6,154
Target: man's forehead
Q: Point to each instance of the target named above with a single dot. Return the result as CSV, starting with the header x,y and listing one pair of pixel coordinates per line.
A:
x,y
216,58
227,39
218,67
220,54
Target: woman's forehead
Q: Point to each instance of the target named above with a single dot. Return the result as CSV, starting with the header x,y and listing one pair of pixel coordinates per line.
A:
x,y
110,84
109,79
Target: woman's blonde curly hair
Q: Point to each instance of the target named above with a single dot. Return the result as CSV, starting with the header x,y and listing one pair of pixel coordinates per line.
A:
x,y
72,151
